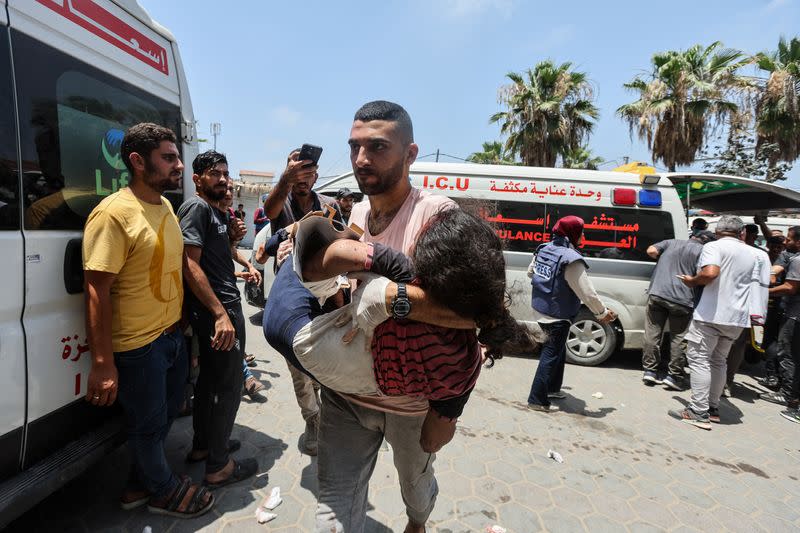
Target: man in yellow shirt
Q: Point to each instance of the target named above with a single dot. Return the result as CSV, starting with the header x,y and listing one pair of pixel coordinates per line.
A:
x,y
133,256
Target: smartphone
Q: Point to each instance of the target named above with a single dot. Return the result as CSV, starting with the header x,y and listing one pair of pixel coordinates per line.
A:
x,y
311,153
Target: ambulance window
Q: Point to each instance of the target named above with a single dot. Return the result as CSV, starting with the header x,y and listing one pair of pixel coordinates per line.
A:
x,y
611,233
615,232
73,118
9,170
521,226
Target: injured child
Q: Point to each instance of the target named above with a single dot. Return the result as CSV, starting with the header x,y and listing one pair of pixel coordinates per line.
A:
x,y
456,283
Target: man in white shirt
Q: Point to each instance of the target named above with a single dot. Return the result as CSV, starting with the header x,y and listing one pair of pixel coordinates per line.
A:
x,y
729,271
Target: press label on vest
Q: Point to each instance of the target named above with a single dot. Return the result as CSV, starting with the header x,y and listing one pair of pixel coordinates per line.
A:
x,y
542,270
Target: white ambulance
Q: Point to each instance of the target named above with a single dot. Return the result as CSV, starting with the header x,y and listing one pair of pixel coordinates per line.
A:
x,y
622,217
76,74
624,213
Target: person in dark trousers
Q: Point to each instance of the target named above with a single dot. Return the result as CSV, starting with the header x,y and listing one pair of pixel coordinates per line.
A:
x,y
290,200
215,312
560,284
789,344
670,301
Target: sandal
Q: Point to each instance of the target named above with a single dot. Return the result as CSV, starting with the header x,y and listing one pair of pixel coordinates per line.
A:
x,y
133,499
241,470
233,445
253,388
188,500
250,360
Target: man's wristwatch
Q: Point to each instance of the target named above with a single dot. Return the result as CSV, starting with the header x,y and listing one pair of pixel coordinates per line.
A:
x,y
401,305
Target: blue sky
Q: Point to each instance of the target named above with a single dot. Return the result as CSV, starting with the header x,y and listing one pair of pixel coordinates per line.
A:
x,y
278,74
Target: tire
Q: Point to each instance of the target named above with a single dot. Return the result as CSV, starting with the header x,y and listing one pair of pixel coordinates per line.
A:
x,y
589,342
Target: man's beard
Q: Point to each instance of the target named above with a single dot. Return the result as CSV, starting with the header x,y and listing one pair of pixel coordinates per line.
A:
x,y
385,180
158,182
214,194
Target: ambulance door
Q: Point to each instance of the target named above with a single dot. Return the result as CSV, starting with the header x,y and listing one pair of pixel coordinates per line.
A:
x,y
12,339
74,107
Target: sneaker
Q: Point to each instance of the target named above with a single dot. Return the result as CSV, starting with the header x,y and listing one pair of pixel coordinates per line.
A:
x,y
774,397
539,407
671,382
690,417
713,415
726,392
556,395
649,377
791,414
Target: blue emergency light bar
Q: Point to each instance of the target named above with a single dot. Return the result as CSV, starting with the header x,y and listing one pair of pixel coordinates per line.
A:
x,y
649,198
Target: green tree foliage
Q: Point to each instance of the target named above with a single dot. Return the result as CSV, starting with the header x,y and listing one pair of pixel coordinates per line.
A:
x,y
493,154
549,112
739,157
687,94
582,158
778,104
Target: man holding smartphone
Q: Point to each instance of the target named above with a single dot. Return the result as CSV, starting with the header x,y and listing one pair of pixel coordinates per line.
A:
x,y
290,200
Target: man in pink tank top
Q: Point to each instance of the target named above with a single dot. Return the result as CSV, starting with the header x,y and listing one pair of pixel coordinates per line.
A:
x,y
352,427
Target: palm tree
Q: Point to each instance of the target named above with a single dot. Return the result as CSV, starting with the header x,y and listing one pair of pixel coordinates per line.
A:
x,y
550,112
778,105
686,96
492,154
582,158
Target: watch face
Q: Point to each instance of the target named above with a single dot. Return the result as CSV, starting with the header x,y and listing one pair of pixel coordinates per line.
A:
x,y
401,308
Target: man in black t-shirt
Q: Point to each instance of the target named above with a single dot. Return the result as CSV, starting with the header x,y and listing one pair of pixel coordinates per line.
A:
x,y
215,312
290,200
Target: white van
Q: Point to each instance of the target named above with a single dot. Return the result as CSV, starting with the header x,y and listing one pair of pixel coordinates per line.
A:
x,y
76,75
622,216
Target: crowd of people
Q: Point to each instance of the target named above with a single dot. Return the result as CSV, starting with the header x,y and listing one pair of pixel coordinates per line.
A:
x,y
385,310
713,290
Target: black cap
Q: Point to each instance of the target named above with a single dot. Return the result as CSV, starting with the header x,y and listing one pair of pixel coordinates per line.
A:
x,y
344,192
704,236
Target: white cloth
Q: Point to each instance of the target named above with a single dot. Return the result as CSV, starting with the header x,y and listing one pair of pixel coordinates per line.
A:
x,y
578,280
319,347
726,300
759,285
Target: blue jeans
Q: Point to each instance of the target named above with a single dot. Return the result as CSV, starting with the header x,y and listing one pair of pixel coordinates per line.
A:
x,y
552,358
151,384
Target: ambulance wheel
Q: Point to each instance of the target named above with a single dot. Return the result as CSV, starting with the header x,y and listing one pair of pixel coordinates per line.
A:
x,y
589,342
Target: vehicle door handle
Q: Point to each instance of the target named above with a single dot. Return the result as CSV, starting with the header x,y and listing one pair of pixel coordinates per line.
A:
x,y
73,267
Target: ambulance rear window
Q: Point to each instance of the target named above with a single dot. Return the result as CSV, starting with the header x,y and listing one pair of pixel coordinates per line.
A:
x,y
73,117
609,232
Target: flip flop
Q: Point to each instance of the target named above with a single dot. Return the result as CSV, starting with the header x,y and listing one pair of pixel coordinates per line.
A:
x,y
127,504
192,508
233,445
241,470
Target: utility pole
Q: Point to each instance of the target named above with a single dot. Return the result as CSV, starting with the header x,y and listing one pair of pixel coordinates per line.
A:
x,y
437,155
216,129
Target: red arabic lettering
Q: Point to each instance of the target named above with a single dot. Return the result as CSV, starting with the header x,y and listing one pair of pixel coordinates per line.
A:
x,y
501,220
511,235
111,29
78,349
443,183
